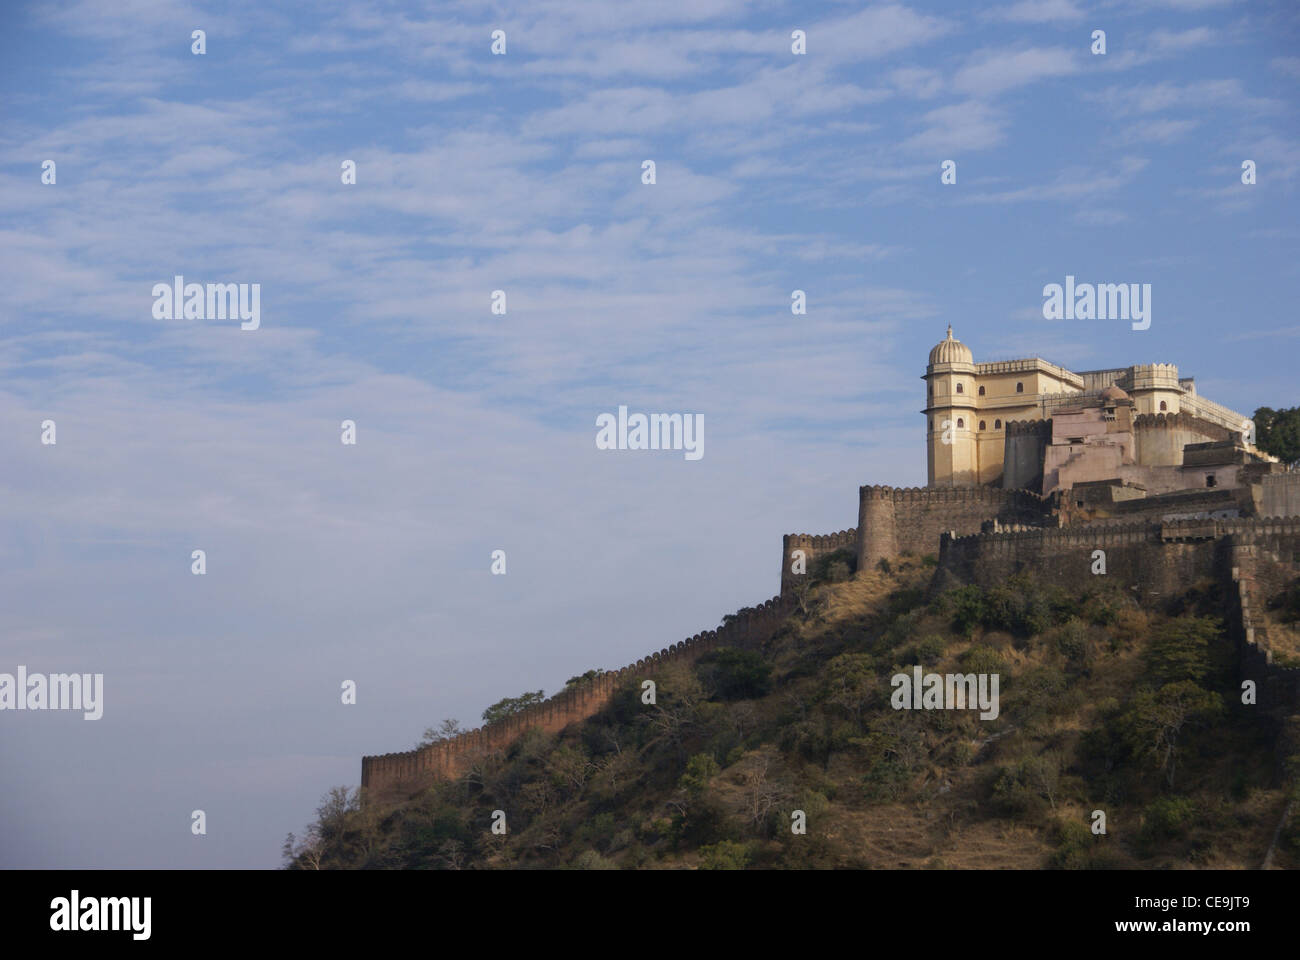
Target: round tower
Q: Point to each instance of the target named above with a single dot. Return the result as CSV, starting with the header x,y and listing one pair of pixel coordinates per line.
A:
x,y
950,410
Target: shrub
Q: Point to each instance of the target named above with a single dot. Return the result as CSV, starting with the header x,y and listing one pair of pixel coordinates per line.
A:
x,y
1130,626
1180,649
1074,841
1166,818
730,674
983,659
700,769
591,860
968,609
929,650
1071,640
885,781
725,855
833,567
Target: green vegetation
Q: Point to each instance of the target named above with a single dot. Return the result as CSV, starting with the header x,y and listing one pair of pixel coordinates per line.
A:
x,y
1278,432
1105,706
509,706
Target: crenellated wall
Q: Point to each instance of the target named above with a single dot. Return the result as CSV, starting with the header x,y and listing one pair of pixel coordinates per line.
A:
x,y
1279,495
1251,557
893,520
394,776
812,546
1160,437
1157,559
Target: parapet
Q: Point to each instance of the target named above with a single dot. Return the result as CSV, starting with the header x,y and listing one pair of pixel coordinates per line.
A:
x,y
393,775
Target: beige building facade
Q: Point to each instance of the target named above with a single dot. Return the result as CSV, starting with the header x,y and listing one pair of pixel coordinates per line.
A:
x,y
969,406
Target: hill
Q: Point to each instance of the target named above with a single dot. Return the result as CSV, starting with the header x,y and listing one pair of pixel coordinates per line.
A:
x,y
1105,705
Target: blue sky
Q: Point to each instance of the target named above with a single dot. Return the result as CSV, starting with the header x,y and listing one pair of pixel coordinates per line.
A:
x,y
476,432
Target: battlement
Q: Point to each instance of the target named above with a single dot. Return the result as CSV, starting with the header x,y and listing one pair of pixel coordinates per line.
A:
x,y
1183,420
812,547
393,776
825,541
945,494
1151,376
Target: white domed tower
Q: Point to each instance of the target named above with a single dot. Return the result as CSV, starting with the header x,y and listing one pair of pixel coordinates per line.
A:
x,y
950,415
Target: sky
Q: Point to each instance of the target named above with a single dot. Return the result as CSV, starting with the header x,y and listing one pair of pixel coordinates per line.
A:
x,y
475,431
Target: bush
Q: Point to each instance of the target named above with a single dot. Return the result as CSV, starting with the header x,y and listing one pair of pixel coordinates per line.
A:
x,y
730,674
1074,842
1180,649
725,855
700,769
1167,818
968,609
1071,639
833,567
929,650
886,781
591,860
983,659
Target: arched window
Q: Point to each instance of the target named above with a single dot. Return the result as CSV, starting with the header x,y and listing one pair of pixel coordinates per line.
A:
x,y
1020,388
959,388
981,391
997,424
983,426
961,424
1163,405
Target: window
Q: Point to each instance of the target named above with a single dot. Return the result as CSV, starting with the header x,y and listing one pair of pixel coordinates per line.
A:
x,y
983,425
1078,503
959,388
997,424
1020,388
961,424
1210,480
981,391
1163,405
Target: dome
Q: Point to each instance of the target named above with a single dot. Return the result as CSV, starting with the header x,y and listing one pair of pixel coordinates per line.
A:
x,y
1113,394
951,351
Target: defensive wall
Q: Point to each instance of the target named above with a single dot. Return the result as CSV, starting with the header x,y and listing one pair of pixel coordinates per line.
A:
x,y
893,520
1254,558
812,546
392,777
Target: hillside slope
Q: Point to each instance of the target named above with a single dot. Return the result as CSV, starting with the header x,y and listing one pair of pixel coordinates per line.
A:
x,y
1104,706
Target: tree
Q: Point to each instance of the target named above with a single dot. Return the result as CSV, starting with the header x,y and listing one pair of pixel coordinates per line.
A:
x,y
1278,432
304,853
732,674
1158,717
700,769
1180,649
509,706
724,855
850,684
447,730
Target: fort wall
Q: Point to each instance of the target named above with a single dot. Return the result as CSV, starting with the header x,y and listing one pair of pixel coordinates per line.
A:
x,y
391,777
1159,437
1025,447
893,521
1254,558
812,546
1279,495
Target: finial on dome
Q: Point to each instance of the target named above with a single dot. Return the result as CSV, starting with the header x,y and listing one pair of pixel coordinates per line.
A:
x,y
950,331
